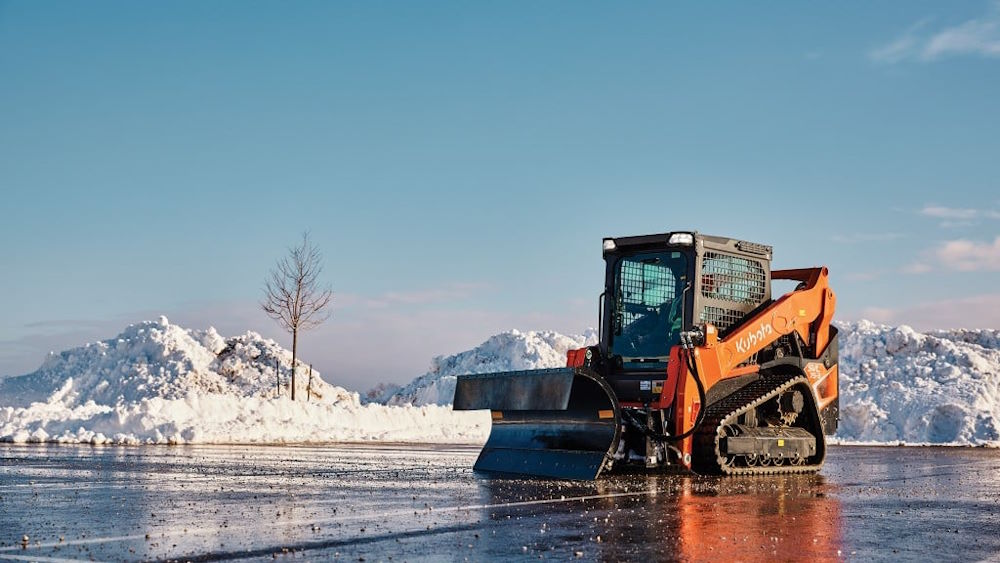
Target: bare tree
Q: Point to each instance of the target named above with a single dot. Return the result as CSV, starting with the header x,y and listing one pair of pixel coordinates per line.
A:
x,y
293,295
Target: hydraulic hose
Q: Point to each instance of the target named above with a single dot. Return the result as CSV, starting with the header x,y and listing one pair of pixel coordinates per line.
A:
x,y
692,368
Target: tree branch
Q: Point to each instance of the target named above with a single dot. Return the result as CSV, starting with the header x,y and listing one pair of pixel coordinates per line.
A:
x,y
292,294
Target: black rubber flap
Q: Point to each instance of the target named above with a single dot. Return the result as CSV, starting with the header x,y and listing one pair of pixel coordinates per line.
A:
x,y
566,431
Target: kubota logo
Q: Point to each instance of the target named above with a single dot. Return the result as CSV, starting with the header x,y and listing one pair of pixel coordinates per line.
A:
x,y
744,344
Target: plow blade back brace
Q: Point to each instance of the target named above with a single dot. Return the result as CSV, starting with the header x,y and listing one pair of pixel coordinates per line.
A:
x,y
560,423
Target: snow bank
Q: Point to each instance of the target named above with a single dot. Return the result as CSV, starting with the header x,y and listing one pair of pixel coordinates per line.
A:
x,y
897,385
160,383
507,351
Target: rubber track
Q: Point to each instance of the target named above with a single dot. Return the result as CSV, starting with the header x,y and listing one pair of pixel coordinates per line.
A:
x,y
725,411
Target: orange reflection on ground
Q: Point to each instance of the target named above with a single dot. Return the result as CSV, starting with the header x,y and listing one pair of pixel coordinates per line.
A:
x,y
687,518
665,518
757,519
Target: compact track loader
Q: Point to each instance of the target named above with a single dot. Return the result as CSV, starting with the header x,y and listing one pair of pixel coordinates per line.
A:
x,y
697,368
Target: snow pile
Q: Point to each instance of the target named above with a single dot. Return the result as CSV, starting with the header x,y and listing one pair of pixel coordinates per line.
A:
x,y
899,385
507,351
896,385
160,383
157,382
160,360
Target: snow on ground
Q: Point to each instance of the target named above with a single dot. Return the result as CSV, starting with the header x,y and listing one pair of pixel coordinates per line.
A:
x,y
157,382
507,351
896,385
899,385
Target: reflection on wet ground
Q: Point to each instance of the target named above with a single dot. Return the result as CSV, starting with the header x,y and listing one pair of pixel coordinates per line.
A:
x,y
680,517
411,503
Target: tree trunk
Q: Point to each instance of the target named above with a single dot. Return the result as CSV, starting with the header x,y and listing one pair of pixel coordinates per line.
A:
x,y
295,343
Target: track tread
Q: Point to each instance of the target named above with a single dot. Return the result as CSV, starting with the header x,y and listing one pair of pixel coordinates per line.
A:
x,y
707,456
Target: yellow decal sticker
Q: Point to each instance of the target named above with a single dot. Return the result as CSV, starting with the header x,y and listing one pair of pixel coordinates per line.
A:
x,y
780,442
606,414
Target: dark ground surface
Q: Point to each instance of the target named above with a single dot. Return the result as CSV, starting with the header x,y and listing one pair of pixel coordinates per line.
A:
x,y
403,503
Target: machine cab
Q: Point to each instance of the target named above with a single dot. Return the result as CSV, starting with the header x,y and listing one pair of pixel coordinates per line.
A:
x,y
657,286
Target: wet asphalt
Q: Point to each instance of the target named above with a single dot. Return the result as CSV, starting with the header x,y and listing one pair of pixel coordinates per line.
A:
x,y
405,503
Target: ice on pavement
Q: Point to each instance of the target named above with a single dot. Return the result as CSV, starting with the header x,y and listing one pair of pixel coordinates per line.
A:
x,y
157,382
897,385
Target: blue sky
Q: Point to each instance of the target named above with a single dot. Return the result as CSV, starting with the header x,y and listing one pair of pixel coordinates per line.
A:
x,y
459,163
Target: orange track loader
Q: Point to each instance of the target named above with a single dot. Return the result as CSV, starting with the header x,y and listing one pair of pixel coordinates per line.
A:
x,y
697,368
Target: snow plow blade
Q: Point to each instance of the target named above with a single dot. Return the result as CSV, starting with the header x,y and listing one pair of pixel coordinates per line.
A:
x,y
561,423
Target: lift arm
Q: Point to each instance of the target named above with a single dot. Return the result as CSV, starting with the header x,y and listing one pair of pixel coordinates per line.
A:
x,y
807,311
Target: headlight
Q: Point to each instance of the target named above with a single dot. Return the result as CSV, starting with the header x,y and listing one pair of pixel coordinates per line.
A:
x,y
609,245
681,238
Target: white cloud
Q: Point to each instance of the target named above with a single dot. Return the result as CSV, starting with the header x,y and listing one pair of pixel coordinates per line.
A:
x,y
942,212
957,224
974,37
958,217
900,48
960,255
969,256
978,36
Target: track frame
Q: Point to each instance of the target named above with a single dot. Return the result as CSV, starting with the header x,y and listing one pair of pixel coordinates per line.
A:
x,y
708,457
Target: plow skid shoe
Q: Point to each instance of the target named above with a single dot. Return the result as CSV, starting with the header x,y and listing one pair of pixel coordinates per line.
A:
x,y
560,423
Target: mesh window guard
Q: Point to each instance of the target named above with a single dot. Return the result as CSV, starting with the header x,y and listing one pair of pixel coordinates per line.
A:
x,y
642,287
732,278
